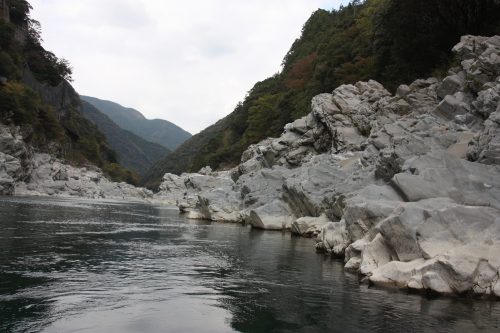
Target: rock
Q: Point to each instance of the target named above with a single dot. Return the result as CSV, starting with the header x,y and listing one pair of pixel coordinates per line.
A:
x,y
496,289
333,238
262,187
403,90
381,180
485,147
388,165
453,106
309,226
460,148
475,230
361,216
433,281
480,59
272,216
221,204
205,171
400,274
414,188
353,265
207,196
353,253
375,254
467,183
401,229
313,189
50,176
488,100
9,167
171,189
451,85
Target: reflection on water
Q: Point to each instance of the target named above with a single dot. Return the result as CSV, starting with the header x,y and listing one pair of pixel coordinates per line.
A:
x,y
81,266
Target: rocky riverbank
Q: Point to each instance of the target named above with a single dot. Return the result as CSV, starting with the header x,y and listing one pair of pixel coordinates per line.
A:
x,y
26,172
404,187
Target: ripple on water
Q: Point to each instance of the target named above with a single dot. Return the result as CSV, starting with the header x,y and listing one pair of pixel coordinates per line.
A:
x,y
81,266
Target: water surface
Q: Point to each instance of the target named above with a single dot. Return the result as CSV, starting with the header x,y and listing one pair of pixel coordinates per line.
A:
x,y
82,266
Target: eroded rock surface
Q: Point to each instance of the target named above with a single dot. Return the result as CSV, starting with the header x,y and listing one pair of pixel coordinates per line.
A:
x,y
404,187
24,172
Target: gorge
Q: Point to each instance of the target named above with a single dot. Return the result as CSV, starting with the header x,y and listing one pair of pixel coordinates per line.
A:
x,y
396,188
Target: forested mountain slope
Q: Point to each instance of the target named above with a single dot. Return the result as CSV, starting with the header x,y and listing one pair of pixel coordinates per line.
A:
x,y
132,151
159,131
391,41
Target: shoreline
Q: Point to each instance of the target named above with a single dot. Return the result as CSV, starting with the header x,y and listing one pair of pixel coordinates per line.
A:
x,y
405,187
363,280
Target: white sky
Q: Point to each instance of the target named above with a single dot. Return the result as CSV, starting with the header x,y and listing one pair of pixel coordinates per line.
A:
x,y
189,62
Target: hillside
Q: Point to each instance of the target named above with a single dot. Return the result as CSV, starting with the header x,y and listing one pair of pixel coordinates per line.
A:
x,y
404,188
36,96
159,131
392,41
132,151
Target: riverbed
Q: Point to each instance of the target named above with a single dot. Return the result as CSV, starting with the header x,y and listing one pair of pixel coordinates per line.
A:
x,y
73,265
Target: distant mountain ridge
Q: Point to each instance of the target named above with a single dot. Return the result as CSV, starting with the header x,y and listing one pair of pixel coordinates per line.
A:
x,y
158,131
132,151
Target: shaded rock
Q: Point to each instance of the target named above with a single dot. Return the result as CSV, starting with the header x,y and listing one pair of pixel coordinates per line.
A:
x,y
309,226
451,85
453,106
485,147
375,254
333,238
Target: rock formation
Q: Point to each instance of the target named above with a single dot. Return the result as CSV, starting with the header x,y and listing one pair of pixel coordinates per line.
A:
x,y
24,172
404,187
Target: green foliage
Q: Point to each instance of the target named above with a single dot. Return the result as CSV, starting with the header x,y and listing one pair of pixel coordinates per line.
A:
x,y
391,41
415,37
158,131
132,151
49,113
21,44
21,105
44,64
117,173
7,66
19,12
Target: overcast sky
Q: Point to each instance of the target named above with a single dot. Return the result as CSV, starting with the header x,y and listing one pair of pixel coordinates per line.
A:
x,y
189,62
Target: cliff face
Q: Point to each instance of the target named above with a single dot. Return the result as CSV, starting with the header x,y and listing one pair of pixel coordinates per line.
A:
x,y
405,187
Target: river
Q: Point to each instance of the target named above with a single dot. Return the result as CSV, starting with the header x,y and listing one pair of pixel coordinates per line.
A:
x,y
70,265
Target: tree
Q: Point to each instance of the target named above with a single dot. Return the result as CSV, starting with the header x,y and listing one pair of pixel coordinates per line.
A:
x,y
414,37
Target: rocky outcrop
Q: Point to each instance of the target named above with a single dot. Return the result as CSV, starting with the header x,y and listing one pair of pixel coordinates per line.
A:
x,y
14,155
24,172
404,187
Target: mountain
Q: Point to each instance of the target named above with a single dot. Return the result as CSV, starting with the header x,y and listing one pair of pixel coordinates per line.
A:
x,y
132,151
391,41
159,131
36,96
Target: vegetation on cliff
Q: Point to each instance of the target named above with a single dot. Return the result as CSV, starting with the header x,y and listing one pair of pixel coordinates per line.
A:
x,y
392,41
35,95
